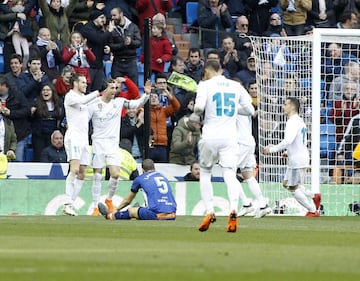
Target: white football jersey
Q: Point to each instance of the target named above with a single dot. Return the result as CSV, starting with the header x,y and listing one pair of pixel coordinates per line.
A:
x,y
77,117
244,129
106,117
295,142
220,99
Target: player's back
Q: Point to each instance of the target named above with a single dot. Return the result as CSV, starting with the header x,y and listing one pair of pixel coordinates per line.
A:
x,y
158,191
219,97
298,153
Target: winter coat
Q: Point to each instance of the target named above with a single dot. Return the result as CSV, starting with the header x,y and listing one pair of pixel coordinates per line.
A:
x,y
158,115
58,22
181,152
160,48
299,17
117,46
211,38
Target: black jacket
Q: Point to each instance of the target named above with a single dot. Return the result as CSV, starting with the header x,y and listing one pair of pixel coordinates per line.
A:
x,y
51,154
19,113
117,46
97,39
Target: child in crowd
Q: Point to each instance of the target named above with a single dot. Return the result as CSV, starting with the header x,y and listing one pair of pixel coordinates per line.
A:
x,y
78,55
161,50
21,31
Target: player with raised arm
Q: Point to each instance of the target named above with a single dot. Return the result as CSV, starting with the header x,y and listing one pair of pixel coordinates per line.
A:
x,y
105,112
76,140
221,100
295,144
160,201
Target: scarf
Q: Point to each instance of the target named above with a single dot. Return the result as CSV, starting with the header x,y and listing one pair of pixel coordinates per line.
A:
x,y
79,59
50,58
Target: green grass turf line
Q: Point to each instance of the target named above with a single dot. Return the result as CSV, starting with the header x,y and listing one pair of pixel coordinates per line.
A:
x,y
39,248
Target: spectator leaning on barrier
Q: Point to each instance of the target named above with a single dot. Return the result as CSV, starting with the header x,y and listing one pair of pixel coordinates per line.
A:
x,y
54,153
184,141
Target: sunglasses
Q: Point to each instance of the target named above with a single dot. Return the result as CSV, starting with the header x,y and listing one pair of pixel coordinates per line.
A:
x,y
244,25
275,19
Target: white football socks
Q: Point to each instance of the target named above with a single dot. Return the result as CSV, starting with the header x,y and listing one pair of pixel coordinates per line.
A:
x,y
96,189
303,200
112,186
206,190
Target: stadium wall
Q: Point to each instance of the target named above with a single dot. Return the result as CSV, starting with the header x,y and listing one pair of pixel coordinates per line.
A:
x,y
38,189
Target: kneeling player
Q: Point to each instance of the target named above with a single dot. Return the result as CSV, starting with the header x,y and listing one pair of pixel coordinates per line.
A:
x,y
161,204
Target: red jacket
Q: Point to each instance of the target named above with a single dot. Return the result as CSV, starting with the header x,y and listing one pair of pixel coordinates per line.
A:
x,y
160,48
146,9
131,94
158,115
67,53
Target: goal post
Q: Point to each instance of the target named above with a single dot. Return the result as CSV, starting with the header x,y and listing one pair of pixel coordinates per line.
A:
x,y
308,68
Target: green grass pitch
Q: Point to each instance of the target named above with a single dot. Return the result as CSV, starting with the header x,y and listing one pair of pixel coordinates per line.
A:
x,y
39,248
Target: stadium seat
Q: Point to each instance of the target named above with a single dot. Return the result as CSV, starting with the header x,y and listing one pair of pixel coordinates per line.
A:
x,y
191,12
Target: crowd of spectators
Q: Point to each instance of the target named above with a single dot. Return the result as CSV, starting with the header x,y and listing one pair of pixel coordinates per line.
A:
x,y
46,42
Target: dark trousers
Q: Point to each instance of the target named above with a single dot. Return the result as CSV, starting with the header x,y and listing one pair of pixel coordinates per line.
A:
x,y
97,77
159,154
126,67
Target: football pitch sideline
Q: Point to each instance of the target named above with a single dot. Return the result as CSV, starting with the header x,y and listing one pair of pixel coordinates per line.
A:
x,y
83,248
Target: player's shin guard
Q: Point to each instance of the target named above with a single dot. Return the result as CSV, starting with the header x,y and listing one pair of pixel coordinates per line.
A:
x,y
77,188
96,188
233,188
122,215
303,200
206,190
113,183
256,191
306,191
69,186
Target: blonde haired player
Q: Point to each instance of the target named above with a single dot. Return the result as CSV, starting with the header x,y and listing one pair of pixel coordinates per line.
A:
x,y
76,140
294,142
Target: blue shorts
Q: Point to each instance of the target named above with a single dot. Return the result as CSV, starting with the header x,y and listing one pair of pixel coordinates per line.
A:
x,y
147,214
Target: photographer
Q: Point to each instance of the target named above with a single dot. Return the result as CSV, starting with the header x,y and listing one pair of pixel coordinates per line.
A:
x,y
160,113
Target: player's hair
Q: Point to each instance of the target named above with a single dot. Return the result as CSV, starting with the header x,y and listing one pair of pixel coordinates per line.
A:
x,y
76,78
213,64
148,165
295,102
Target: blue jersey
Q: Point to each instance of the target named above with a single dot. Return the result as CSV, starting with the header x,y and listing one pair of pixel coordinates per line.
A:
x,y
158,191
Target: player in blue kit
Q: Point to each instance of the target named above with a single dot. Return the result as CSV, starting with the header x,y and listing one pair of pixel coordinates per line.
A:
x,y
160,202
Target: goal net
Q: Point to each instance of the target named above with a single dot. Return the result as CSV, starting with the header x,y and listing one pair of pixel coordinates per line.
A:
x,y
322,70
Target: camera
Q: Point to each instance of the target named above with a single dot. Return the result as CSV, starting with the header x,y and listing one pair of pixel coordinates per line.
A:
x,y
156,91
